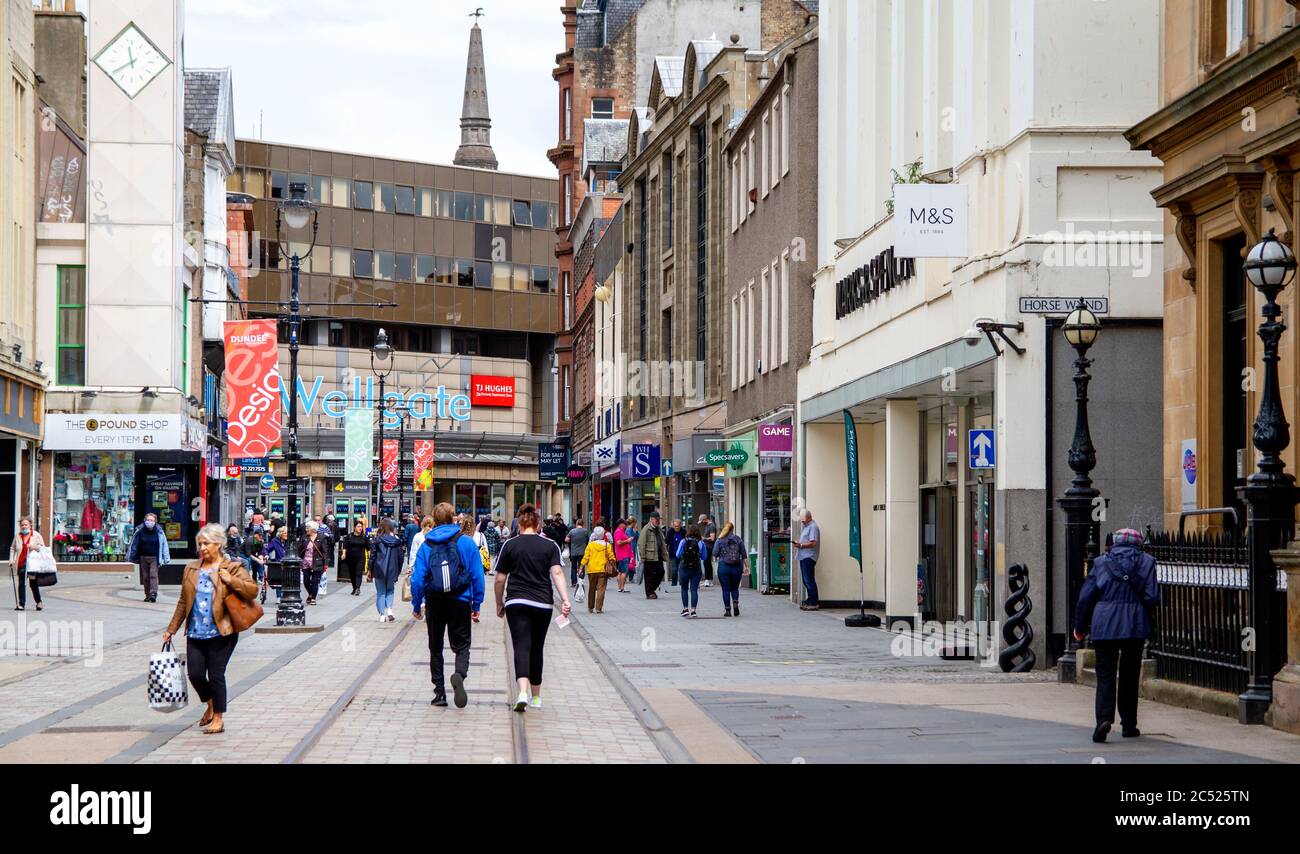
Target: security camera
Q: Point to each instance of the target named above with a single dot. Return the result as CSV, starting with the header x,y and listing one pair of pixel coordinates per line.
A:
x,y
976,333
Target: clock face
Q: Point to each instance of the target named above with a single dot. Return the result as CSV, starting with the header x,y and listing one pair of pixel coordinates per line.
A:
x,y
132,61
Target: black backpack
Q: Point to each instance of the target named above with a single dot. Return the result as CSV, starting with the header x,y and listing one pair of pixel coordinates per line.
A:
x,y
691,555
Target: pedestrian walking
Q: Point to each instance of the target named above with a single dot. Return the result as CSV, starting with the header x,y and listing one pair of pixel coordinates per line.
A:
x,y
387,554
529,566
674,535
447,589
633,534
810,546
597,561
26,541
708,536
492,536
149,550
313,560
426,525
470,528
326,532
352,551
733,565
210,635
691,554
623,554
410,531
576,542
235,550
1115,608
652,554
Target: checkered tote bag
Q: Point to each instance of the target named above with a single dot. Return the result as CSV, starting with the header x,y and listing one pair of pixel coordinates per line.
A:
x,y
168,690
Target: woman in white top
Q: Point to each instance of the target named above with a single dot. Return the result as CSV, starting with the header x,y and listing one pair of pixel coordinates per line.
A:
x,y
426,525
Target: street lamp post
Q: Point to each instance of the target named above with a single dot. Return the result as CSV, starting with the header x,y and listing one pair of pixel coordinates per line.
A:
x,y
1082,533
381,365
1270,493
295,212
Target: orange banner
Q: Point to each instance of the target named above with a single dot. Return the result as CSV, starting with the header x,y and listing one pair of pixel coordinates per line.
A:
x,y
252,388
423,465
390,465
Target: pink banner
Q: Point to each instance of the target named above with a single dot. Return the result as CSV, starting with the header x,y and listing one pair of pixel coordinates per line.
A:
x,y
423,465
252,388
390,465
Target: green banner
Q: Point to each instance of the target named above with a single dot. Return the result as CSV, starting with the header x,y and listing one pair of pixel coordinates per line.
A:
x,y
855,505
358,444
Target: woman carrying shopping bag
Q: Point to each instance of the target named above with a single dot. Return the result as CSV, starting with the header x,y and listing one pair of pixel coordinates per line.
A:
x,y
597,562
216,595
26,541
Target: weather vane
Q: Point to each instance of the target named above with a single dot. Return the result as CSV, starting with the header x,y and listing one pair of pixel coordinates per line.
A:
x,y
477,13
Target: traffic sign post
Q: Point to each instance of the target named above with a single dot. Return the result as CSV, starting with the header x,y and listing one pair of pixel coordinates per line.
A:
x,y
983,447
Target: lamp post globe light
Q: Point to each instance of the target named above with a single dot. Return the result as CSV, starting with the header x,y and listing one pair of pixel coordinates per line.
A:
x,y
381,365
295,212
1082,534
1270,493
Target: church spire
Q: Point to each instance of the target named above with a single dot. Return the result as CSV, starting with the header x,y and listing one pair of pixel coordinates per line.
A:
x,y
475,122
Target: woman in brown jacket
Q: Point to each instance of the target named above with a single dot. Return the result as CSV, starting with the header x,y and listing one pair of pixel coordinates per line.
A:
x,y
210,636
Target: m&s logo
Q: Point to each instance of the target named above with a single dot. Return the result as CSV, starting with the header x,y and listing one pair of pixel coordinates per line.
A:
x,y
930,216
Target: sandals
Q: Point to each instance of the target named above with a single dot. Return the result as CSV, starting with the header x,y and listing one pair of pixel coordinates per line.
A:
x,y
210,731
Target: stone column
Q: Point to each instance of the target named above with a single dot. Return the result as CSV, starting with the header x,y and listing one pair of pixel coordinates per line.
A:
x,y
1285,709
902,511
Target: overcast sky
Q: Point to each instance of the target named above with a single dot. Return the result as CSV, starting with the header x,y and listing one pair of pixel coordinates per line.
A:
x,y
382,77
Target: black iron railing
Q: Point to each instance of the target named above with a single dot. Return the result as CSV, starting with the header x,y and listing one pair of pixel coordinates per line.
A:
x,y
1203,635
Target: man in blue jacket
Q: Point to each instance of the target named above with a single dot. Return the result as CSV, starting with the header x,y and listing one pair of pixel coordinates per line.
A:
x,y
451,614
1115,607
149,549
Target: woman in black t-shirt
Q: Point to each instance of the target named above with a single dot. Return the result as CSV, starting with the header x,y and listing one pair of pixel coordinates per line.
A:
x,y
528,566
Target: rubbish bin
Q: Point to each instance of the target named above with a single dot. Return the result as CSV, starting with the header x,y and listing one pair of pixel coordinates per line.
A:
x,y
753,570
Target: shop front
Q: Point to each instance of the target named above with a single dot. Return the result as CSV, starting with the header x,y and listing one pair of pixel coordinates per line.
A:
x,y
106,471
641,470
20,431
700,486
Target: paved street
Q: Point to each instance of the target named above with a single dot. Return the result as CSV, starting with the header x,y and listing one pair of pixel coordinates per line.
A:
x,y
637,684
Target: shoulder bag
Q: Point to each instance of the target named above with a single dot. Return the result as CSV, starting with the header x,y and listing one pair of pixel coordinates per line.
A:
x,y
243,613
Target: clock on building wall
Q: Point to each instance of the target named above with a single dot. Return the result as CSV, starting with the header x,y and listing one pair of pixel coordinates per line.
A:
x,y
131,60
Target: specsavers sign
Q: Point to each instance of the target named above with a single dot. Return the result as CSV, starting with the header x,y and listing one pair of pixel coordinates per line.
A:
x,y
106,431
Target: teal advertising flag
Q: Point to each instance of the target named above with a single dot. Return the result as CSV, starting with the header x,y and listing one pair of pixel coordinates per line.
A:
x,y
855,510
358,440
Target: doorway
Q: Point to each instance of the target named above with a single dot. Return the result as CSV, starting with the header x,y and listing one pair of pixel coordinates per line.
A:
x,y
937,596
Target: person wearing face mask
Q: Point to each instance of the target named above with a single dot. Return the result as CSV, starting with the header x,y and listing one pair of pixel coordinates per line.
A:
x,y
26,541
149,550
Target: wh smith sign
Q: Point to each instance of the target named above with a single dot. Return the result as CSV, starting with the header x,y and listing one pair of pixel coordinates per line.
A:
x,y
640,462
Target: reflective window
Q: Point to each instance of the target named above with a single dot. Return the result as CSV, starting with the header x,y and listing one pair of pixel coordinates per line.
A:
x,y
519,279
444,271
464,273
320,189
542,279
602,108
424,268
523,214
444,206
320,259
279,185
500,211
363,196
482,208
501,277
483,274
255,183
340,261
362,264
465,207
405,200
402,268
386,198
426,202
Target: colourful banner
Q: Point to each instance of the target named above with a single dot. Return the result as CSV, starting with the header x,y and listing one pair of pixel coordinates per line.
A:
x,y
252,388
423,465
358,442
855,506
390,465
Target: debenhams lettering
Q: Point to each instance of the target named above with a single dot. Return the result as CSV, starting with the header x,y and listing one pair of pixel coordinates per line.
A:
x,y
881,274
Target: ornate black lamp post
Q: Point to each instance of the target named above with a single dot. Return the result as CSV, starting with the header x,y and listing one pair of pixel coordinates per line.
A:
x,y
1082,534
295,212
1270,493
381,365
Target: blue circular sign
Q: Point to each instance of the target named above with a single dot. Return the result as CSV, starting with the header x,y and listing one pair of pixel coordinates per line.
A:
x,y
267,481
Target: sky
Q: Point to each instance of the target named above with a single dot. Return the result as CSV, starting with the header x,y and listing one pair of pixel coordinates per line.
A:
x,y
382,77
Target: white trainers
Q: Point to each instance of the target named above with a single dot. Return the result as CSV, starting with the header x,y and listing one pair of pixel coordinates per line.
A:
x,y
383,618
536,702
389,615
521,702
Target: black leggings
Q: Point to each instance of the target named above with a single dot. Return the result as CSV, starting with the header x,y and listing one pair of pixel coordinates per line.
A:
x,y
23,581
528,627
206,663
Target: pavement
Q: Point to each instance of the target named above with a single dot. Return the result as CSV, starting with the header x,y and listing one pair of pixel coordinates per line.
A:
x,y
636,684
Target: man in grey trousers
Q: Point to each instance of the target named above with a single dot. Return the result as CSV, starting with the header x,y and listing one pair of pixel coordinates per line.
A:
x,y
149,550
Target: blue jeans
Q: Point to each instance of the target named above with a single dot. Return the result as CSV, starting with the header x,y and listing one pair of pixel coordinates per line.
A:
x,y
808,569
383,594
690,581
729,576
622,566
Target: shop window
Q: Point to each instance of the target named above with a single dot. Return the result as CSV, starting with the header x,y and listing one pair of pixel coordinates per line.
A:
x,y
71,341
94,507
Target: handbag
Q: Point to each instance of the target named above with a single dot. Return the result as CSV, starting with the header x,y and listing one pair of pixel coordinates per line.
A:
x,y
243,614
167,689
406,586
611,565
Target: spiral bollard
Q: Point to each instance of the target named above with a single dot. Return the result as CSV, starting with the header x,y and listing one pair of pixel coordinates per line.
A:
x,y
1017,608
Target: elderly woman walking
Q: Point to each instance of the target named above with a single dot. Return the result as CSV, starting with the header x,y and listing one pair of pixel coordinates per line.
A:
x,y
26,541
210,635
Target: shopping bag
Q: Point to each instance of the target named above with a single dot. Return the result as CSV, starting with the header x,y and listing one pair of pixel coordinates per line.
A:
x,y
168,690
42,568
406,586
580,591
